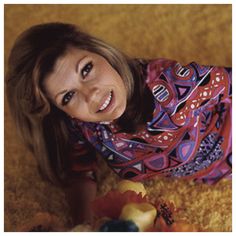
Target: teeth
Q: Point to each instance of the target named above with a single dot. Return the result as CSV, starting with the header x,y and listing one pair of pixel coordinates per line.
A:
x,y
106,103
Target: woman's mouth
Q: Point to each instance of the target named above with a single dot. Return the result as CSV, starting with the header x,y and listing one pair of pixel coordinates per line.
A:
x,y
107,104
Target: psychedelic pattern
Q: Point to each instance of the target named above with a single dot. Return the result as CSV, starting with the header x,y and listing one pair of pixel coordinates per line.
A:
x,y
189,135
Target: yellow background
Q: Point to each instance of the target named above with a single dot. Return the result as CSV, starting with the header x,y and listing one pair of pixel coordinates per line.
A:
x,y
186,33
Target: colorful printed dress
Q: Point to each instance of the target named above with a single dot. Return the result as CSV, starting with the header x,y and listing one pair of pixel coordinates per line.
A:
x,y
189,135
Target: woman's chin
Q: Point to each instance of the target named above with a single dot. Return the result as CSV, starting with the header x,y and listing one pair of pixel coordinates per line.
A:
x,y
117,113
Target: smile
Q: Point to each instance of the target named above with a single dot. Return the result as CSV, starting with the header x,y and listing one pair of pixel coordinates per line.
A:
x,y
106,103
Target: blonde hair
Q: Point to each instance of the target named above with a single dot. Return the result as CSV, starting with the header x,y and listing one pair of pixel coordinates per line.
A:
x,y
39,123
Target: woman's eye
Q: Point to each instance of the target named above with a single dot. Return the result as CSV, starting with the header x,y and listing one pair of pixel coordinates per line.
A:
x,y
86,69
67,97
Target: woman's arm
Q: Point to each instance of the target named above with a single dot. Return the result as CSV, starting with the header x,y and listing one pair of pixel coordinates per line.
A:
x,y
80,191
82,182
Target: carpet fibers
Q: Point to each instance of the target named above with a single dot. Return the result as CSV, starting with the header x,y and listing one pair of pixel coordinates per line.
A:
x,y
201,33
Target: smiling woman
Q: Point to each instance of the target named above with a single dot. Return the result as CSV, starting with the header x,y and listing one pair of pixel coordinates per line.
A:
x,y
93,91
75,97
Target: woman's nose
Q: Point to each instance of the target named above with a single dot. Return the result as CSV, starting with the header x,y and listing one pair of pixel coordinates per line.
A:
x,y
90,93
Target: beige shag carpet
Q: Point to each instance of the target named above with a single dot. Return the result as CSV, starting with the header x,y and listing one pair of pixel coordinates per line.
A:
x,y
202,33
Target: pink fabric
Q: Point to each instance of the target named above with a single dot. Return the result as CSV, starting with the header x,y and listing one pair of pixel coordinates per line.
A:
x,y
189,135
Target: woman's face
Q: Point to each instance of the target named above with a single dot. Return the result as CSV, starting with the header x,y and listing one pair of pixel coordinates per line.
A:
x,y
85,86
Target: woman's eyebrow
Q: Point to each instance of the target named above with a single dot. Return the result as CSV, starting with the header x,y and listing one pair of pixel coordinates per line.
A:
x,y
77,64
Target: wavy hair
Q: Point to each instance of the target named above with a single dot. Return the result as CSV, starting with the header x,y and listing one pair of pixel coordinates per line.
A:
x,y
39,123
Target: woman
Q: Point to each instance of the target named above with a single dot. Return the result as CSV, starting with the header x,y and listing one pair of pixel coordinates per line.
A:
x,y
72,96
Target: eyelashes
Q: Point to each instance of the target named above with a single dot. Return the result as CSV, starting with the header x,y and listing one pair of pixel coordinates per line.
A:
x,y
84,72
86,69
67,97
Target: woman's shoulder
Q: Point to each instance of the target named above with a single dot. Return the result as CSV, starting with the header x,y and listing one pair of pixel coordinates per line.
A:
x,y
156,66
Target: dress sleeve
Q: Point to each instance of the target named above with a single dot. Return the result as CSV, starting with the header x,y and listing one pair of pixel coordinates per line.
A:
x,y
82,155
183,90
